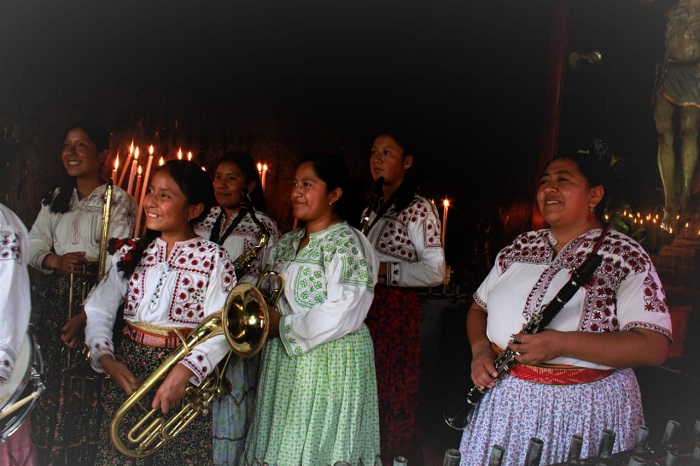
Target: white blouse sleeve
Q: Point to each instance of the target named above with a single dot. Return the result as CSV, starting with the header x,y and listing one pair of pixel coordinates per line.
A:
x,y
641,303
205,356
349,282
41,239
122,215
101,307
429,269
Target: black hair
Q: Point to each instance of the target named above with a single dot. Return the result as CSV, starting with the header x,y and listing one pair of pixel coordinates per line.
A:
x,y
409,187
595,171
197,188
247,165
100,137
333,171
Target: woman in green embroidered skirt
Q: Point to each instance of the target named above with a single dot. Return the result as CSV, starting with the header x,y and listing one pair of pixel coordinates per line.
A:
x,y
317,395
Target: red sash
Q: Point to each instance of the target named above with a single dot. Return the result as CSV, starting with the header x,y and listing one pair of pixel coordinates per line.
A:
x,y
555,374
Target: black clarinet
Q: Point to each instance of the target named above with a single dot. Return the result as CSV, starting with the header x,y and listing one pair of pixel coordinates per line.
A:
x,y
374,205
537,322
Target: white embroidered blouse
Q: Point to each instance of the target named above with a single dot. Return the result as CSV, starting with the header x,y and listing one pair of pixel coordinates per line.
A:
x,y
329,286
623,293
175,291
15,301
242,239
80,229
409,242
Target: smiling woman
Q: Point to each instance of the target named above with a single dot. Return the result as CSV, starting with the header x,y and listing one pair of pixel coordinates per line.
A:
x,y
64,238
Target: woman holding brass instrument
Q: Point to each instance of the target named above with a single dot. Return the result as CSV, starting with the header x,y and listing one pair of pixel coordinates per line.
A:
x,y
64,240
169,281
236,225
317,397
574,377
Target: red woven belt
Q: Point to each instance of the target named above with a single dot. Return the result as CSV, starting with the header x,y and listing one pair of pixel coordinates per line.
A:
x,y
556,374
144,337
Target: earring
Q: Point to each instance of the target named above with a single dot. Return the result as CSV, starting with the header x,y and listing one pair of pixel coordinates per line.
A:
x,y
406,166
330,203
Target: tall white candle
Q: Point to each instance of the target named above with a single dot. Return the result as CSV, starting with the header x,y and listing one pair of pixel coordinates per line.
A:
x,y
446,205
116,170
126,164
143,190
133,173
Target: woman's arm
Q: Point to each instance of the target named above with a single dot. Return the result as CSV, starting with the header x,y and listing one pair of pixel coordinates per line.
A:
x,y
631,348
483,371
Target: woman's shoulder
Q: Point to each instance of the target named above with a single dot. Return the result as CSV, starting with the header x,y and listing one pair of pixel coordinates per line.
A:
x,y
122,197
420,208
620,248
268,221
207,224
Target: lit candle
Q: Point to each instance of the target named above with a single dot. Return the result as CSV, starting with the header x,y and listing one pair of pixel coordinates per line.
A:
x,y
138,183
126,164
179,154
446,205
264,175
133,173
262,171
116,169
145,188
161,161
189,156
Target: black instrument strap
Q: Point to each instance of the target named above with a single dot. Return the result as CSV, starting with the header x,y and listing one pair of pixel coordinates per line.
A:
x,y
214,236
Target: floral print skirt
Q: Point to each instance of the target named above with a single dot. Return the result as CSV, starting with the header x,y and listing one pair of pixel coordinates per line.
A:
x,y
516,410
317,408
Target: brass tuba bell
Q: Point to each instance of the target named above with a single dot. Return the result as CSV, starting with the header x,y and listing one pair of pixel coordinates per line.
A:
x,y
244,320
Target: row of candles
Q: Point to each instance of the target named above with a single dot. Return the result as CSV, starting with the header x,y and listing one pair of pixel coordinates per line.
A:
x,y
137,182
650,219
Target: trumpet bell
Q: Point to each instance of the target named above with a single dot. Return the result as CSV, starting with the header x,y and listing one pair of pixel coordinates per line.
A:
x,y
245,319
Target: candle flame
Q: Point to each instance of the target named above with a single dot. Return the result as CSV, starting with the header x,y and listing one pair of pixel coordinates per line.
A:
x,y
259,167
264,168
136,153
161,162
446,203
150,149
131,148
179,154
189,156
116,161
139,170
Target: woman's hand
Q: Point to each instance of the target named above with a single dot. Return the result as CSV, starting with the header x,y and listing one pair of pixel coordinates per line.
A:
x,y
72,262
539,347
119,373
73,333
483,370
172,389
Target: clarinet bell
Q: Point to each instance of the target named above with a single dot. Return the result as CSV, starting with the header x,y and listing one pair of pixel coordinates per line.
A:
x,y
460,420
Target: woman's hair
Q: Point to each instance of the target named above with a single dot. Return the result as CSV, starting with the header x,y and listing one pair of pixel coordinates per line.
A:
x,y
333,171
405,193
197,188
100,137
247,165
594,171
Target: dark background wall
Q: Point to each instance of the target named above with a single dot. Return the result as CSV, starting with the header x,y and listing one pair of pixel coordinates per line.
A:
x,y
280,79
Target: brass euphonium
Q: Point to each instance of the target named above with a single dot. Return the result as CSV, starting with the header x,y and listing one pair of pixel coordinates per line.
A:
x,y
244,320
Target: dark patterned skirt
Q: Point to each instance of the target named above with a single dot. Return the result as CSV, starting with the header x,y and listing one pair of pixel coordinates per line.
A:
x,y
192,447
394,322
67,417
